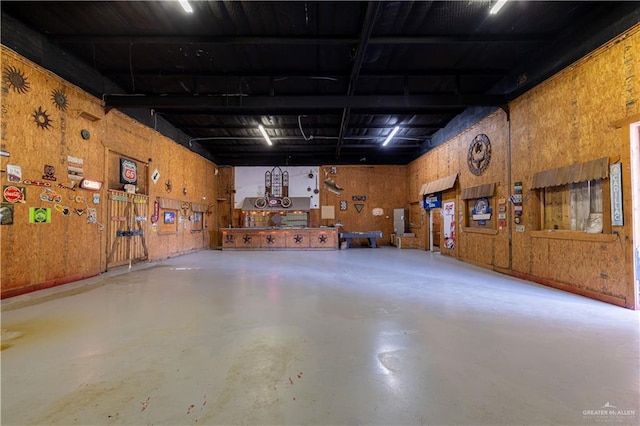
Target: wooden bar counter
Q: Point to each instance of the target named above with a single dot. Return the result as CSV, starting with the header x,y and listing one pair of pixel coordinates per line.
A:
x,y
279,238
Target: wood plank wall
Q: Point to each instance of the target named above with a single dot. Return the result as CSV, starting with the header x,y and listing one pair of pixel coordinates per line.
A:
x,y
565,120
43,255
384,187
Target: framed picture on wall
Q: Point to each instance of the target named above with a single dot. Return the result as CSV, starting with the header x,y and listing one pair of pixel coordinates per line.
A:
x,y
196,222
169,217
168,221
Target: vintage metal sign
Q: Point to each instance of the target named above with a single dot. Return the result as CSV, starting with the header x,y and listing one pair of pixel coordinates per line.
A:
x,y
39,215
128,172
615,173
433,201
13,194
92,185
14,173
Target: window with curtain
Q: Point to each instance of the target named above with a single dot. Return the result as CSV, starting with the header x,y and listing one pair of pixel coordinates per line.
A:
x,y
574,207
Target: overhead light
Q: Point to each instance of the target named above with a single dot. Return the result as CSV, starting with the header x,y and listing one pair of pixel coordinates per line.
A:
x,y
186,6
391,135
496,7
264,134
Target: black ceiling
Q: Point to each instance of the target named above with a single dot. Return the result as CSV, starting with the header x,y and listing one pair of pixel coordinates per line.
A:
x,y
329,79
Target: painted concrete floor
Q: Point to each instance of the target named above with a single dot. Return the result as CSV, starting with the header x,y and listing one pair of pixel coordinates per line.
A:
x,y
361,336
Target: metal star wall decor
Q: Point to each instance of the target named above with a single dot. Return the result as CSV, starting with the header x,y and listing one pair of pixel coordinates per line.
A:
x,y
59,99
42,119
15,79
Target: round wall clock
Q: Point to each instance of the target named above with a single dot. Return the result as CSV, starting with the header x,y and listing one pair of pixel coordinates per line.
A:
x,y
479,154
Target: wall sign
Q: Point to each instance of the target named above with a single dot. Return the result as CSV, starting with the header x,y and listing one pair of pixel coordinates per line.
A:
x,y
6,214
481,211
14,194
91,185
449,223
39,215
433,201
615,174
49,172
75,169
479,154
516,200
156,212
14,173
128,171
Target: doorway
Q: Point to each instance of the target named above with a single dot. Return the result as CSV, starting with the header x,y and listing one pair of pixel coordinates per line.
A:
x,y
435,227
127,228
635,201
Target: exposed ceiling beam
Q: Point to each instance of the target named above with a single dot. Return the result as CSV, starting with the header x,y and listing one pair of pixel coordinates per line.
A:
x,y
365,34
275,74
269,104
300,40
294,126
221,149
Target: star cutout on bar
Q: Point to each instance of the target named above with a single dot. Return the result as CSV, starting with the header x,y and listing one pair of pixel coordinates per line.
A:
x,y
246,239
298,238
271,239
230,239
322,239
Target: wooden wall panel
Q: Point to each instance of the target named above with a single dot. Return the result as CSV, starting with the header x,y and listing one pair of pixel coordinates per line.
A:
x,y
38,253
569,118
42,255
451,158
384,186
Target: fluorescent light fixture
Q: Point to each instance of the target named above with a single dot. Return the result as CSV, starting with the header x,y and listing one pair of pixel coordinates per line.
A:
x,y
186,6
391,135
264,134
496,7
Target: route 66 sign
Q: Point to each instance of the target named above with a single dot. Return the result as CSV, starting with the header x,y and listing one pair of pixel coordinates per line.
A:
x,y
128,171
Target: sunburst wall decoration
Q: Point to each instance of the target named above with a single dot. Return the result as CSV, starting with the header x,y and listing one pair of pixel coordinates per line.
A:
x,y
15,79
59,99
42,119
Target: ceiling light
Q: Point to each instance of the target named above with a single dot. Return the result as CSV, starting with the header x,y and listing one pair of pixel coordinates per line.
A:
x,y
391,135
264,134
186,6
496,7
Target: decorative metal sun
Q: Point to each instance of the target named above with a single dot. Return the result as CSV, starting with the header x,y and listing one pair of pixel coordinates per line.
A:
x,y
42,119
14,78
59,99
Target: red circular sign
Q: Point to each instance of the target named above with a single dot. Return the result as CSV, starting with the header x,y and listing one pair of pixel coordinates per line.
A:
x,y
13,194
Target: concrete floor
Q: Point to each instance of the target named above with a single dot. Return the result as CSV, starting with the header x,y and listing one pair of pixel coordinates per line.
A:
x,y
362,336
